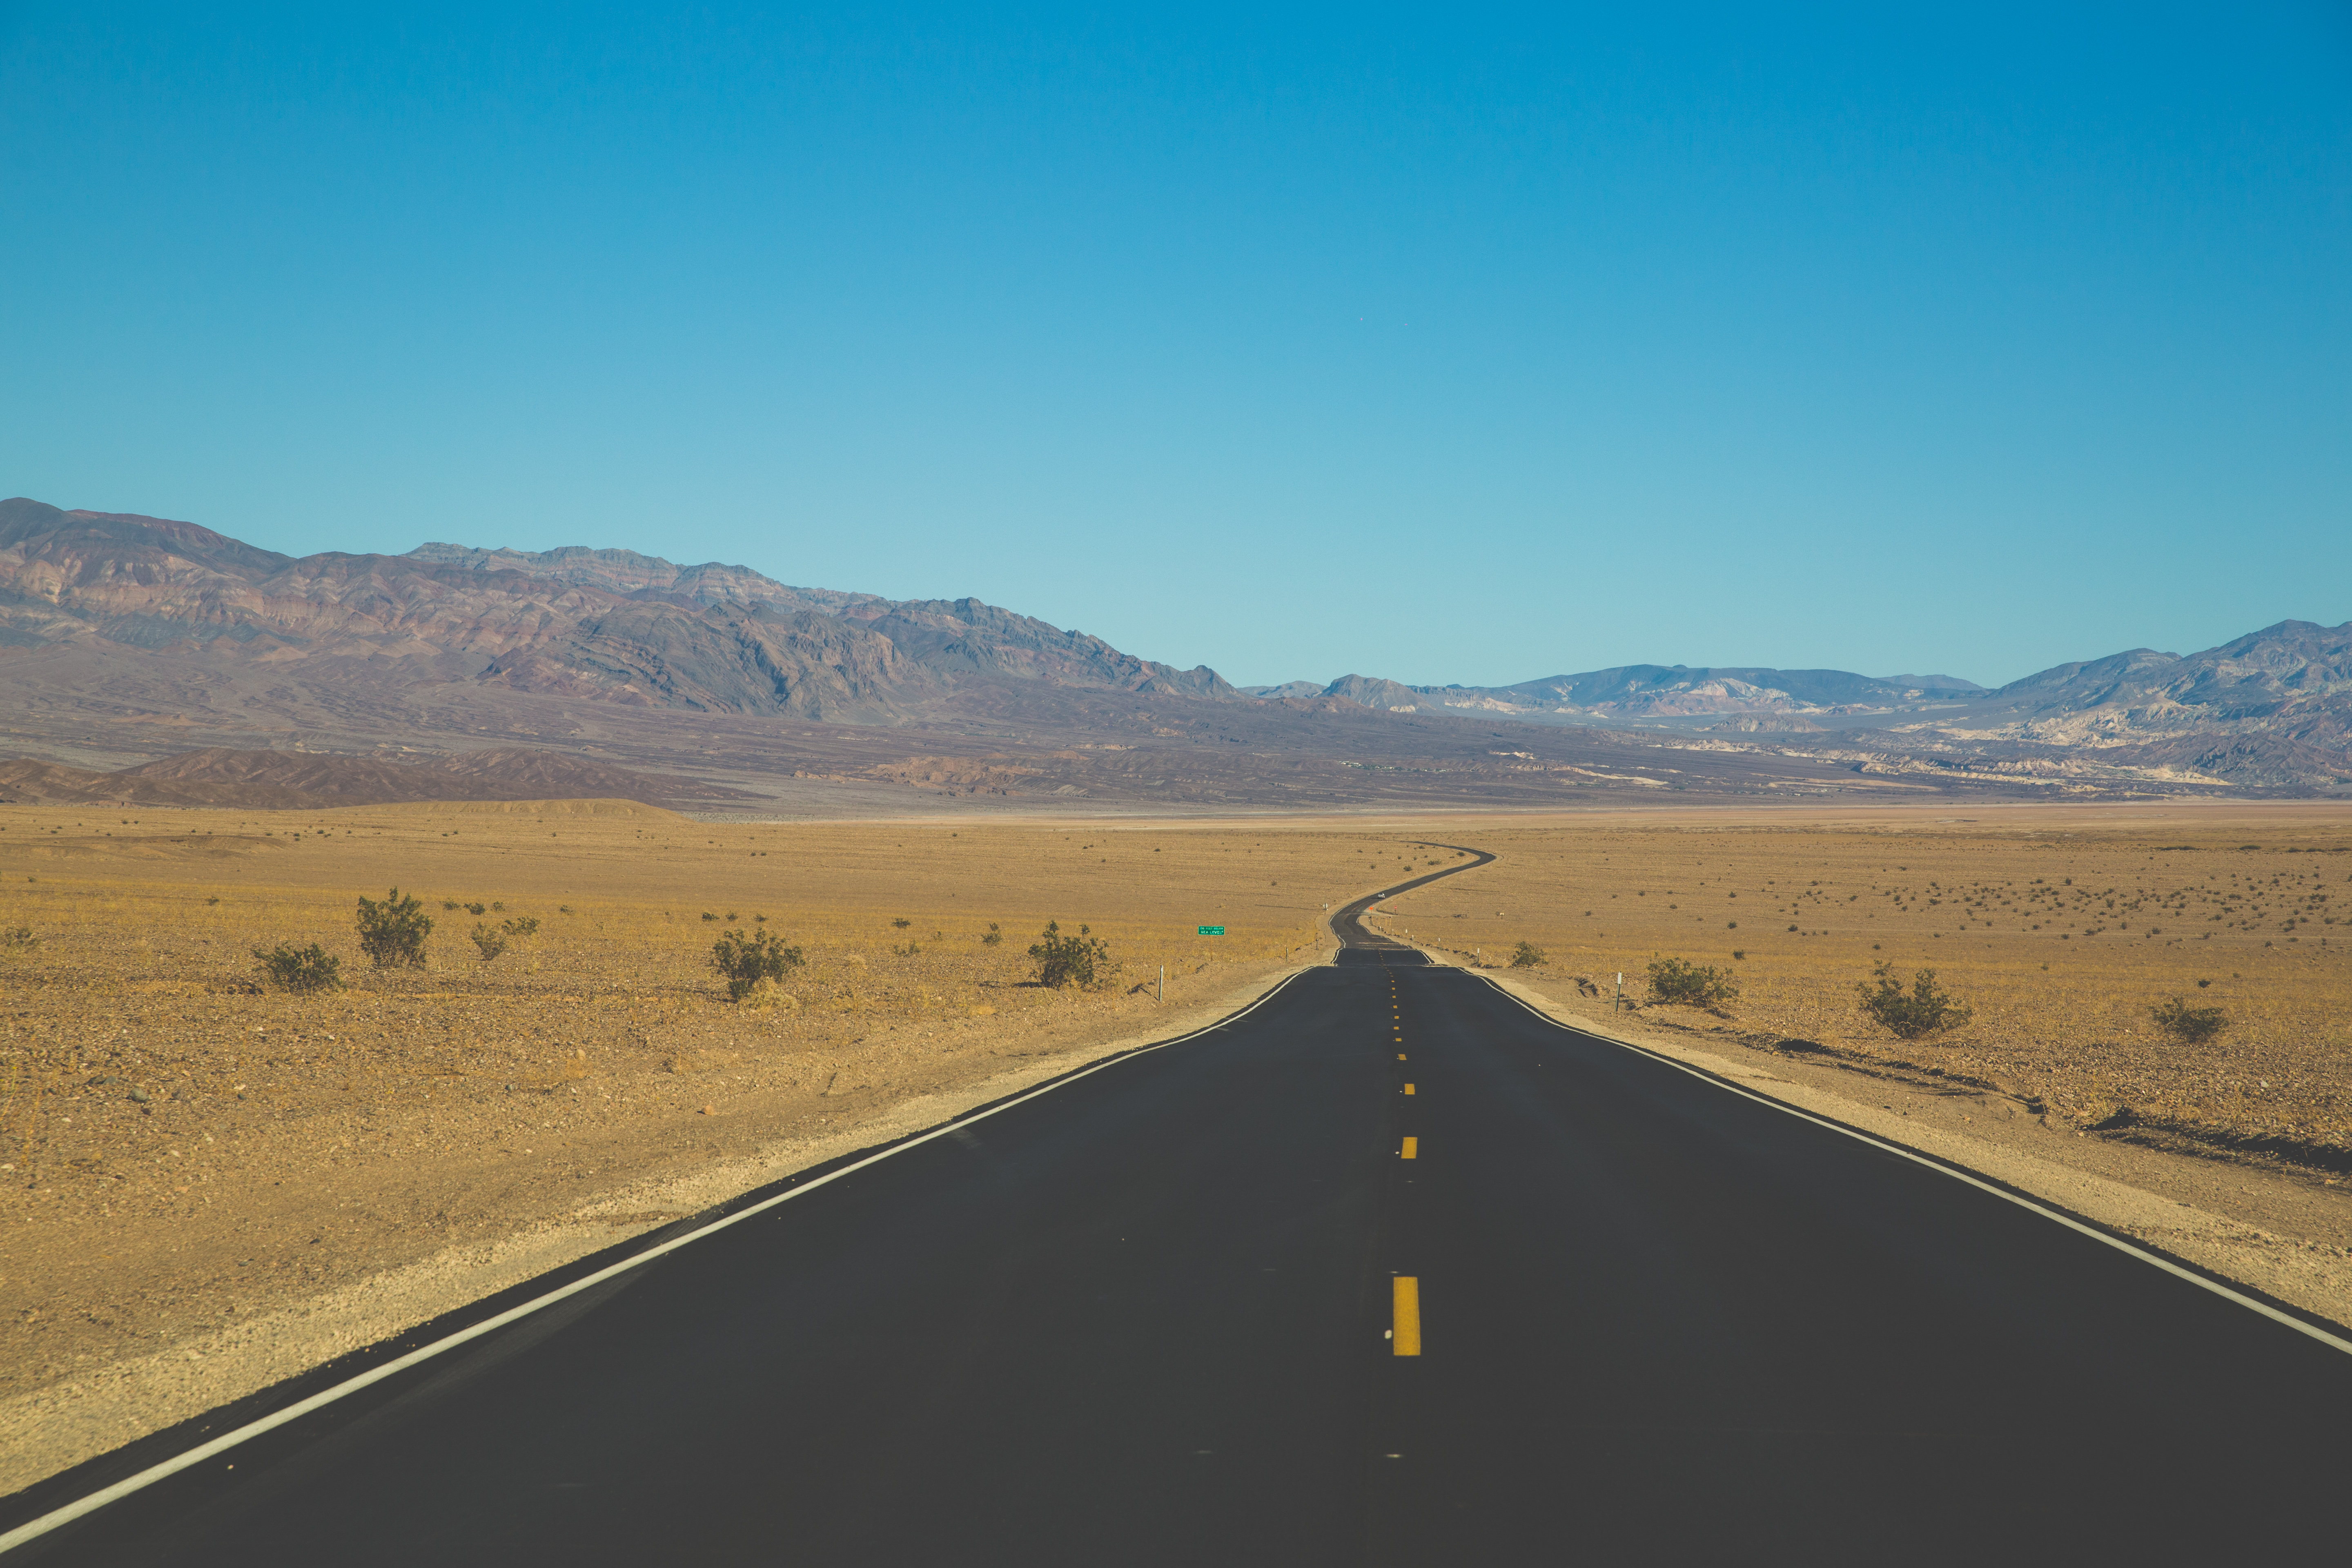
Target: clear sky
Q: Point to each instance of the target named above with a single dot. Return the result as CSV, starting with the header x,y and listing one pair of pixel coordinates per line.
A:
x,y
1447,344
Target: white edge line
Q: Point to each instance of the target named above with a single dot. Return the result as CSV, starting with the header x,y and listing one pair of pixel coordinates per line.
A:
x,y
228,1440
1958,1174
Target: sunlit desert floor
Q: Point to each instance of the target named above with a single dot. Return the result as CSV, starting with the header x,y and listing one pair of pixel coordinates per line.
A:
x,y
2060,927
212,1184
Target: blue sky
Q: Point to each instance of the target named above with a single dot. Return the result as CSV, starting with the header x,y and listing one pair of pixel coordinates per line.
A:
x,y
1446,344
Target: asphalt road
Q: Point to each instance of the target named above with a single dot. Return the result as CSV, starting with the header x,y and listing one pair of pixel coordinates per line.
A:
x,y
1148,1318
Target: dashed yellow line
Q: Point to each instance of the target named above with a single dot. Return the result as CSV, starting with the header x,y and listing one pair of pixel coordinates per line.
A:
x,y
1408,1089
1411,1149
1405,1337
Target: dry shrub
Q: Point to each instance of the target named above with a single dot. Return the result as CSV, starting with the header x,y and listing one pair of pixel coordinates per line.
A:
x,y
302,969
1678,982
1083,961
1925,1011
2190,1026
392,931
748,959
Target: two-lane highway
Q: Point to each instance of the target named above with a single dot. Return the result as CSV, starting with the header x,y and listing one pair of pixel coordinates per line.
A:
x,y
1391,1270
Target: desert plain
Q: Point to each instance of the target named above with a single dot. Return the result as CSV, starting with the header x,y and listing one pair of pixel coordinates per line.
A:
x,y
212,1184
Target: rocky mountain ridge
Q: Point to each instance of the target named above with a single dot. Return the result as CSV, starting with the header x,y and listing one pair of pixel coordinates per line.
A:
x,y
2274,708
171,632
600,625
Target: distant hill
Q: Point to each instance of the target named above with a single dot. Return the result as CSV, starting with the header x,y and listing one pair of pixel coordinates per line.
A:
x,y
2274,708
1650,693
222,776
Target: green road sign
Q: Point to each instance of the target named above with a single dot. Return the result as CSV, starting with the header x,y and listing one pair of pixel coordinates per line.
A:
x,y
1212,931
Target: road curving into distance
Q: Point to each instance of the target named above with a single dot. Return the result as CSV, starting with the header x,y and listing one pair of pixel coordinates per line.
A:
x,y
1389,1268
1348,926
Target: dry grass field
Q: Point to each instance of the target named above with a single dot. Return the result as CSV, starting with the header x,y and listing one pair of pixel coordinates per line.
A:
x,y
2061,928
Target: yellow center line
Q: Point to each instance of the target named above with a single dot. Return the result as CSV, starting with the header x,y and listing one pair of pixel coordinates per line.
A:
x,y
1406,1336
1408,1089
1411,1149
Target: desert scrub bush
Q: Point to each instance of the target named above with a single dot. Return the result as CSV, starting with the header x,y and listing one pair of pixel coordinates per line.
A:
x,y
900,924
1913,1015
992,936
489,939
2190,1026
1083,961
709,916
520,926
19,938
746,959
1680,982
392,931
300,969
1526,956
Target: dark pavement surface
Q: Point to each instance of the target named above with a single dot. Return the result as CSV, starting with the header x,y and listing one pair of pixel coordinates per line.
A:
x,y
1143,1319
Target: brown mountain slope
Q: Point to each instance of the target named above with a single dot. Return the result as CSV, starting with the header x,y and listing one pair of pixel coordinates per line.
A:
x,y
257,780
596,624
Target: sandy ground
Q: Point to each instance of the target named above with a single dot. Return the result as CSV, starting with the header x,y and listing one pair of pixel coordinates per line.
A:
x,y
2061,928
213,1185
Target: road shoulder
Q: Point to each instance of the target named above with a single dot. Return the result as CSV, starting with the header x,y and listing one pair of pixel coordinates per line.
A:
x,y
2284,1235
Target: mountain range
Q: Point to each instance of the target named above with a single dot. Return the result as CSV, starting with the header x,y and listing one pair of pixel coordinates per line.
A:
x,y
2274,707
607,625
125,635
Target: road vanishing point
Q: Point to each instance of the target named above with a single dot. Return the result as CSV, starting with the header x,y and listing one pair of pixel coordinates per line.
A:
x,y
1387,1268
